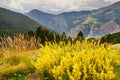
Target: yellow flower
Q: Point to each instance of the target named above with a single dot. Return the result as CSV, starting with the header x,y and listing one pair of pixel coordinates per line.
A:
x,y
79,61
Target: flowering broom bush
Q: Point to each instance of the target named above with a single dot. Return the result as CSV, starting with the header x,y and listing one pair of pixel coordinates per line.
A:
x,y
79,61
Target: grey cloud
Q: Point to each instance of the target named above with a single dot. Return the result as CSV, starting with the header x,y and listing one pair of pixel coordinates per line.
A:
x,y
54,6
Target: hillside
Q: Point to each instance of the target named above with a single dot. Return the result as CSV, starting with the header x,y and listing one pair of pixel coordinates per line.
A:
x,y
12,22
108,20
112,38
94,23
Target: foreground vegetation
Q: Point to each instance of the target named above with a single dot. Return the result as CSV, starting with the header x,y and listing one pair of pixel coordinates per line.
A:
x,y
78,61
24,58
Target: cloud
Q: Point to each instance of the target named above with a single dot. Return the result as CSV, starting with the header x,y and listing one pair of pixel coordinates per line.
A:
x,y
54,6
16,4
111,1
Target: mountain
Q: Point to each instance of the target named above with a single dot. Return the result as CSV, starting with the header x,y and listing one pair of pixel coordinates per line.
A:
x,y
94,23
12,22
61,23
103,21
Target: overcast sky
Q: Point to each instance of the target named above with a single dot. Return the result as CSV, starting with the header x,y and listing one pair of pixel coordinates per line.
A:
x,y
54,6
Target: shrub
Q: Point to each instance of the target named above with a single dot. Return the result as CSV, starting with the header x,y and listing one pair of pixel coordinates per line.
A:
x,y
79,61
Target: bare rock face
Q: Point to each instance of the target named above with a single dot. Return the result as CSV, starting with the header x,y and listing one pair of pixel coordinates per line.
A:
x,y
110,27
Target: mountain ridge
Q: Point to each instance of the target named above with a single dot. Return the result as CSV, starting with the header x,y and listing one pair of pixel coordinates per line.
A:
x,y
52,21
14,22
68,21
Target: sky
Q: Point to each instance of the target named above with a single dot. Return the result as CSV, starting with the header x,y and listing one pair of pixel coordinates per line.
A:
x,y
54,6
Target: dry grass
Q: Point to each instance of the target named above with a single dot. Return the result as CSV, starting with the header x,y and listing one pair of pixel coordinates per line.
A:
x,y
19,42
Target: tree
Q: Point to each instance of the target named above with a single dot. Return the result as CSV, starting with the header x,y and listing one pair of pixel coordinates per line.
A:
x,y
80,36
69,39
38,32
31,33
52,36
42,34
63,36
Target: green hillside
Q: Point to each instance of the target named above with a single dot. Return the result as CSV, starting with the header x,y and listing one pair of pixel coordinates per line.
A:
x,y
90,20
12,22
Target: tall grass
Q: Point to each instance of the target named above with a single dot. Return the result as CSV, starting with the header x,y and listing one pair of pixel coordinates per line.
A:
x,y
18,42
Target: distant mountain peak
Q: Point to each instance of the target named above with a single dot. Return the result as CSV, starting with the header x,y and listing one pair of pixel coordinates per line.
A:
x,y
117,3
38,12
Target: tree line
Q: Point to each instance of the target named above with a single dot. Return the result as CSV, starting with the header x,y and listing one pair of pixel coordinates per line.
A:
x,y
44,35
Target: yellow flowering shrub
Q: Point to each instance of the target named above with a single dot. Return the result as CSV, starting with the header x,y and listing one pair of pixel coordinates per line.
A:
x,y
79,61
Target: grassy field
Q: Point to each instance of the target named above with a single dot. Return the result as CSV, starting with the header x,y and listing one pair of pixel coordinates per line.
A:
x,y
16,65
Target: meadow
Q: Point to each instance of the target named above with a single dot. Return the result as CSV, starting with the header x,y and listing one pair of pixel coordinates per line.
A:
x,y
22,59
